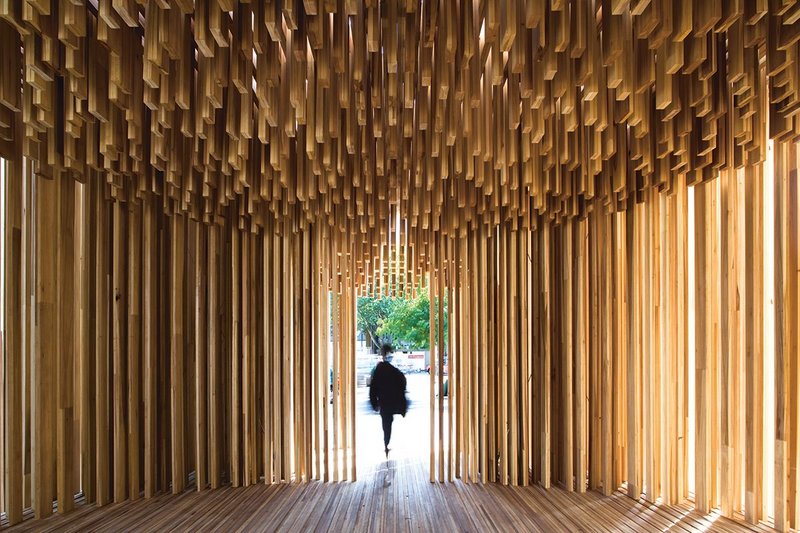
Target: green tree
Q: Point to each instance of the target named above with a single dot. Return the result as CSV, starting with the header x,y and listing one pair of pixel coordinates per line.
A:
x,y
409,322
371,314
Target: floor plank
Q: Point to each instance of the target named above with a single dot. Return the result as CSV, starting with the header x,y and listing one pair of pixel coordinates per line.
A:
x,y
394,496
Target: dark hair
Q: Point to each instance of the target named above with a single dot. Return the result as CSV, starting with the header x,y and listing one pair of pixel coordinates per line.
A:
x,y
386,349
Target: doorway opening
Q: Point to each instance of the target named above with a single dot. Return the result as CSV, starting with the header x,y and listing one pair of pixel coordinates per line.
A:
x,y
403,323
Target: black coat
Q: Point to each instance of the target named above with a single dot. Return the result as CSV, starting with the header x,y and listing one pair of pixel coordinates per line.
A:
x,y
387,390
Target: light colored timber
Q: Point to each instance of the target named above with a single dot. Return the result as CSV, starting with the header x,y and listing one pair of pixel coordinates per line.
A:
x,y
440,359
702,210
197,193
267,318
432,366
753,501
356,505
782,371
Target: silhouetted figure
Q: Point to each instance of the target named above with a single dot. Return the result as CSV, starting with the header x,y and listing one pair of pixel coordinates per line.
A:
x,y
387,393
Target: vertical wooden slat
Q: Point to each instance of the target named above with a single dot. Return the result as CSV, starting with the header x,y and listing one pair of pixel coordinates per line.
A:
x,y
703,349
682,341
729,335
483,348
336,308
286,356
527,350
177,362
513,353
632,362
317,373
502,336
134,341
149,344
619,345
440,291
567,358
297,373
545,247
610,282
581,354
452,415
786,343
277,376
782,371
325,302
102,344
474,395
86,221
714,341
120,296
753,365
432,284
244,361
201,358
455,426
269,316
235,355
352,372
305,384
792,333
214,354
43,364
67,338
3,441
13,176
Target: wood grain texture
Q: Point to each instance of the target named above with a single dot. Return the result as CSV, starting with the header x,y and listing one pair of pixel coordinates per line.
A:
x,y
235,174
410,504
43,363
13,327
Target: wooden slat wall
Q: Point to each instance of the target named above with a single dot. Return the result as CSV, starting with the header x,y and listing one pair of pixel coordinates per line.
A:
x,y
652,273
241,167
148,390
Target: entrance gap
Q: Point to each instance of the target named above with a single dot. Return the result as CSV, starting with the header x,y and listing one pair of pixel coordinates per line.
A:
x,y
403,324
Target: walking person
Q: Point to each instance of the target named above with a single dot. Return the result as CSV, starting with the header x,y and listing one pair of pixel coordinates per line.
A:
x,y
387,393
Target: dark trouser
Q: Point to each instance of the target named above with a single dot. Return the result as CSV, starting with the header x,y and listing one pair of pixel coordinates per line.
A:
x,y
387,427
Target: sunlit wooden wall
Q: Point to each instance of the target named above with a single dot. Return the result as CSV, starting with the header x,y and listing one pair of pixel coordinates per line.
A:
x,y
574,342
196,191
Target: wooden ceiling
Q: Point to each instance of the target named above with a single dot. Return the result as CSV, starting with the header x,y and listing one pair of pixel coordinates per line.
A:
x,y
453,113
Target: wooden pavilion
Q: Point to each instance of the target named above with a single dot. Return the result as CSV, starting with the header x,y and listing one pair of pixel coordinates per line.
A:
x,y
195,192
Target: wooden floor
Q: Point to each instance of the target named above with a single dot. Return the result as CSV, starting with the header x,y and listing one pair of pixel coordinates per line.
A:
x,y
408,502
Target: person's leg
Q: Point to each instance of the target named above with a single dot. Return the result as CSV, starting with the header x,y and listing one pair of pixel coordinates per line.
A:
x,y
387,428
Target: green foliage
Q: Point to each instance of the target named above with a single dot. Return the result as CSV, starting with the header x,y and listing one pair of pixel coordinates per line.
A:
x,y
408,323
371,314
403,323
